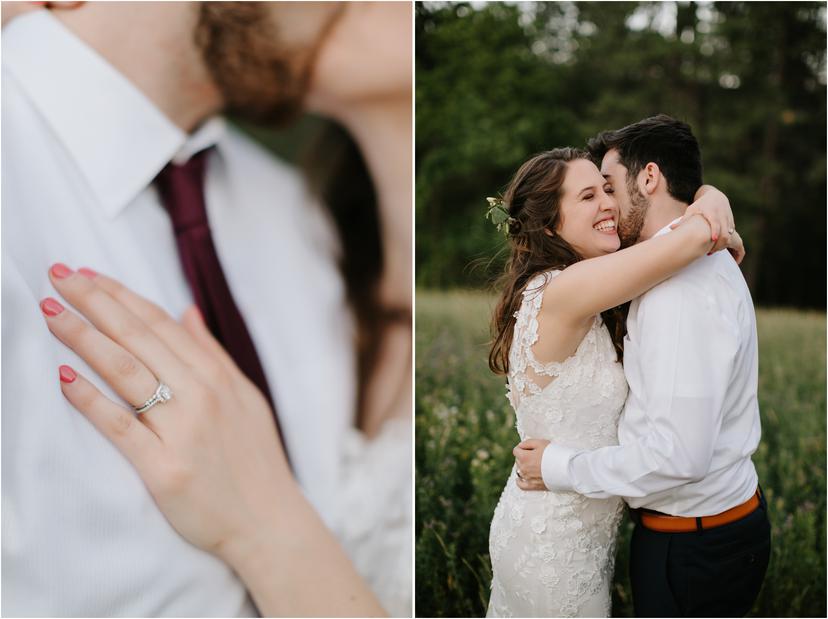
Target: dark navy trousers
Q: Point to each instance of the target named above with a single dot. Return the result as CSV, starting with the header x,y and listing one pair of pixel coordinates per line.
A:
x,y
712,573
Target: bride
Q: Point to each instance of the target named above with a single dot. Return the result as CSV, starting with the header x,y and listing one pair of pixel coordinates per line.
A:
x,y
553,552
210,456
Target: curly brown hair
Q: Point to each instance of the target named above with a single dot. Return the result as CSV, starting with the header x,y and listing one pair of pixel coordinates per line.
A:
x,y
533,199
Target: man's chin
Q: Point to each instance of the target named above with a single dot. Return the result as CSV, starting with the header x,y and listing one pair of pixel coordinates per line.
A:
x,y
260,79
629,236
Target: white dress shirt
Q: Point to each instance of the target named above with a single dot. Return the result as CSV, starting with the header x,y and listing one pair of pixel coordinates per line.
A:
x,y
691,420
81,536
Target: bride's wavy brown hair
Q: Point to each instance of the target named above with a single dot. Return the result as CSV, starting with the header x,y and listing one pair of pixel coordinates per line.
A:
x,y
338,175
533,199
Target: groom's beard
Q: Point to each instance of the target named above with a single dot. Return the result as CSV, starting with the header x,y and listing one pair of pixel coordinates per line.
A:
x,y
258,77
629,227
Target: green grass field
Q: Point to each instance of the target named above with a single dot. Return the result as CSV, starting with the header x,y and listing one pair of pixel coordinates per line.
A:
x,y
465,434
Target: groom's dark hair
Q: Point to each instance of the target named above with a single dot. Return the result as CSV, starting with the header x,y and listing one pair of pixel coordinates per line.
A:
x,y
667,142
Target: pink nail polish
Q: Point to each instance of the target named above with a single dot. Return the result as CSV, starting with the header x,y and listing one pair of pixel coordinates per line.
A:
x,y
86,272
67,374
50,307
60,270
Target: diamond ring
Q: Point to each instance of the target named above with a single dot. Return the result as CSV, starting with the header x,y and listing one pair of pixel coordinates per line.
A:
x,y
162,394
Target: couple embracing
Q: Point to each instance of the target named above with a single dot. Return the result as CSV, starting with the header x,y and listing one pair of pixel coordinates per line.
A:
x,y
629,342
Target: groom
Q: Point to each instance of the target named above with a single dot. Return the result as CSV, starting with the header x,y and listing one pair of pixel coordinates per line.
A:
x,y
701,542
110,118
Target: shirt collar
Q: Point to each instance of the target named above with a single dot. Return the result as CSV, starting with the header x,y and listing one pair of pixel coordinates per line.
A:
x,y
117,137
666,228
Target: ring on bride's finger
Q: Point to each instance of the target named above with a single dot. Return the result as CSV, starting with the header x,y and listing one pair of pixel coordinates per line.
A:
x,y
519,474
162,394
731,231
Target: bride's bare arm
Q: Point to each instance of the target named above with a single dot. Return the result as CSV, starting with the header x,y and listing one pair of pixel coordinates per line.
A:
x,y
591,286
298,569
211,455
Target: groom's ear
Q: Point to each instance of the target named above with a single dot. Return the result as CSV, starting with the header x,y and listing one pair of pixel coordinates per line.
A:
x,y
649,178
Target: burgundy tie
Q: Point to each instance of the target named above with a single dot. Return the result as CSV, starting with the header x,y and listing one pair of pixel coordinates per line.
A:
x,y
181,188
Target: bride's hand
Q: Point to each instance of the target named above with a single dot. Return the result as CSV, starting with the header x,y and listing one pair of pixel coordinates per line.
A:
x,y
714,206
210,456
736,247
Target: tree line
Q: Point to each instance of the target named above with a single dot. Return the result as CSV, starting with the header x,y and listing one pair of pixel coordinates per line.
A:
x,y
496,83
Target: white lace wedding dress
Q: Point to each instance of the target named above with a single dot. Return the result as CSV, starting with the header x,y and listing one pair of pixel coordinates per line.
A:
x,y
553,552
375,511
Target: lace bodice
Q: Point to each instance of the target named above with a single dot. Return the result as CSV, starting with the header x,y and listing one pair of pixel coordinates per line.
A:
x,y
575,402
375,511
553,552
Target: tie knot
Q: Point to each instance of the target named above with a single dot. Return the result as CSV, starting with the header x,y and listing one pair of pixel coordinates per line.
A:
x,y
181,188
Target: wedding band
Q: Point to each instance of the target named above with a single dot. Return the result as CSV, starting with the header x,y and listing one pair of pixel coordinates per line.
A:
x,y
162,394
731,231
520,476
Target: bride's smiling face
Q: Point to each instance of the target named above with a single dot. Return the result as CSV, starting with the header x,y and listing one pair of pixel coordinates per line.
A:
x,y
589,211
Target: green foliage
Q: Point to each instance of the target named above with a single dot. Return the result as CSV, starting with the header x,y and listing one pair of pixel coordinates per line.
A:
x,y
499,214
498,83
465,434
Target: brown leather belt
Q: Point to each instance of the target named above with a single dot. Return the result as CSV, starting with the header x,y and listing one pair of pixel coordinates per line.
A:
x,y
681,524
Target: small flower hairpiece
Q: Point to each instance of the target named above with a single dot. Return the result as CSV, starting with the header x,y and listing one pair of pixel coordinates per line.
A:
x,y
499,214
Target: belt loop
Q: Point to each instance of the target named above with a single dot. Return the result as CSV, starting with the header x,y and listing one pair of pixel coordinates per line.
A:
x,y
699,526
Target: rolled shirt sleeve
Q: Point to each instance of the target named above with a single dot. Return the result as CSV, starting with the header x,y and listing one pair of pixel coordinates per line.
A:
x,y
680,360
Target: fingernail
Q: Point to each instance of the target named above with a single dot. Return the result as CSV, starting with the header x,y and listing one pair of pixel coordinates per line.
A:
x,y
87,272
51,307
715,237
60,270
67,374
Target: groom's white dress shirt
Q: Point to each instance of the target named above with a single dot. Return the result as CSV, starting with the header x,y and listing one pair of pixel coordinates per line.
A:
x,y
81,536
691,420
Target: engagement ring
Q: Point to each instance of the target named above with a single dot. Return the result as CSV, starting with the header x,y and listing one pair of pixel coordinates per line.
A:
x,y
162,394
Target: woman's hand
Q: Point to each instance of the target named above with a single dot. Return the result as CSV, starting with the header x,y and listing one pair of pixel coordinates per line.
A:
x,y
736,247
210,456
714,206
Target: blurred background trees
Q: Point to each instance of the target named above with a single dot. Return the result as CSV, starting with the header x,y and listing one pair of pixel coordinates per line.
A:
x,y
497,82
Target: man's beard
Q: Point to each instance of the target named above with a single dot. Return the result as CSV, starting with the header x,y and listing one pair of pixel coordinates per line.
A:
x,y
629,227
259,79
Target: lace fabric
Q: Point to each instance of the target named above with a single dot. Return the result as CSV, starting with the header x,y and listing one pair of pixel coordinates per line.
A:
x,y
553,552
375,509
